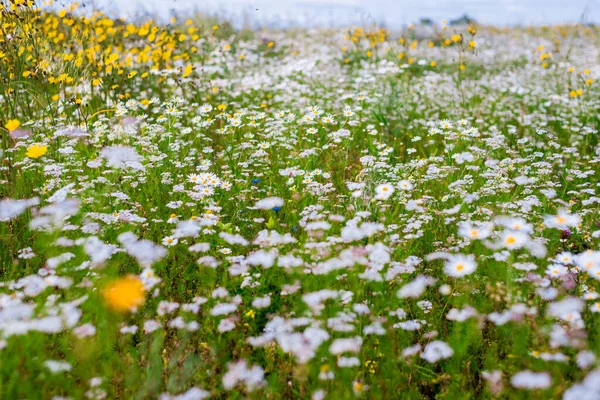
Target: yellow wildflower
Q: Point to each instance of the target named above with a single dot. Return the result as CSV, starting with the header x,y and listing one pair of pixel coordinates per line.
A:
x,y
36,150
125,294
12,124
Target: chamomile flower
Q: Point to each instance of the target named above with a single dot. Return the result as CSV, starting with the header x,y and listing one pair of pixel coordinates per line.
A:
x,y
587,260
564,257
556,270
445,124
328,120
460,265
513,239
308,118
359,388
515,224
209,179
193,178
170,241
226,185
206,108
206,191
562,220
475,230
405,185
594,272
384,191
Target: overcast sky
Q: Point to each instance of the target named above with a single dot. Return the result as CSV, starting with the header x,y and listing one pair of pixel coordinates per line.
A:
x,y
392,12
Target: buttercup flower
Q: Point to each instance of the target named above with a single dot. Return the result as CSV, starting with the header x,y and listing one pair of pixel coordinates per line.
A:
x,y
36,150
12,125
124,294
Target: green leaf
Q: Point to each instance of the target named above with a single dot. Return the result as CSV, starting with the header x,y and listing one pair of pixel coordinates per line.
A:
x,y
272,222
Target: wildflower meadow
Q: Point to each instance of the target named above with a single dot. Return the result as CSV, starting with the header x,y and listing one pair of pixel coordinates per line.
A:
x,y
191,210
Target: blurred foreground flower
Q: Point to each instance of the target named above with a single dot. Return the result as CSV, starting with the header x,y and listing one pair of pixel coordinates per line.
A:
x,y
269,203
125,294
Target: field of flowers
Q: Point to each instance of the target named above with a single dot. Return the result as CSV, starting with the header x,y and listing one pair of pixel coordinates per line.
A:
x,y
190,211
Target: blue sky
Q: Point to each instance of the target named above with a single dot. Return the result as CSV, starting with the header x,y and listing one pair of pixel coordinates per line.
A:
x,y
392,12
